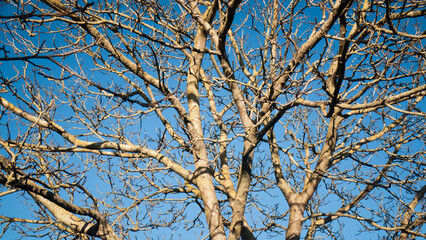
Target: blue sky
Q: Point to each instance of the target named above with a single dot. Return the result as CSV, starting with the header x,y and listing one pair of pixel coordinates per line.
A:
x,y
149,126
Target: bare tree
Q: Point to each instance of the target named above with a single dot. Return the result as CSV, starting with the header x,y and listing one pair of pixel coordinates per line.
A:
x,y
213,119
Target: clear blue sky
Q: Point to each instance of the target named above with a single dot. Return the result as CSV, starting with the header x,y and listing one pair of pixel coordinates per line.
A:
x,y
14,206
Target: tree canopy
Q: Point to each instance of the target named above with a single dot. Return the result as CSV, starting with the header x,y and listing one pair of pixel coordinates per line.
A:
x,y
212,119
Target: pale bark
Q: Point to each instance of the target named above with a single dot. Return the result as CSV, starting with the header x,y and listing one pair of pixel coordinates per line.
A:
x,y
202,175
171,106
409,213
63,211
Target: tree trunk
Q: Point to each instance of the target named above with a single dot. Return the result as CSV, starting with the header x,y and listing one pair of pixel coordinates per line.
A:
x,y
297,208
